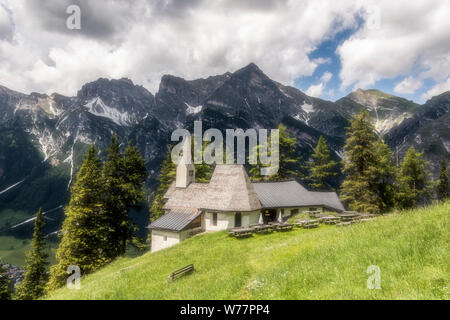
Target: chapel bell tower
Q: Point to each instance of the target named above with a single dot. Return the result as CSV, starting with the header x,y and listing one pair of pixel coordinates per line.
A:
x,y
185,168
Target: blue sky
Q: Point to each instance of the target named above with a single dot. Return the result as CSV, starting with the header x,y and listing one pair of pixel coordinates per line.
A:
x,y
332,89
327,50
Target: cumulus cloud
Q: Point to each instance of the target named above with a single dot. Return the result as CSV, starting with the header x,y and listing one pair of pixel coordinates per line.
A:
x,y
408,85
316,90
437,89
409,35
326,77
146,39
6,26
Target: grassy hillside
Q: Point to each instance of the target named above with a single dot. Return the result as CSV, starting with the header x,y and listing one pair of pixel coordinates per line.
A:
x,y
411,248
13,250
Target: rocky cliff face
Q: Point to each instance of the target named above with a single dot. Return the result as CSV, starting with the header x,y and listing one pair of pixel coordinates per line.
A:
x,y
43,138
427,130
386,111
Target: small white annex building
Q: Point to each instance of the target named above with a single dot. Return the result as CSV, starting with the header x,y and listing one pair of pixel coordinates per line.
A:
x,y
229,200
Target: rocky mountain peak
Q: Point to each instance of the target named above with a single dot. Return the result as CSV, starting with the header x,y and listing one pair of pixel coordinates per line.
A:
x,y
386,110
252,74
105,87
103,96
443,97
367,98
172,84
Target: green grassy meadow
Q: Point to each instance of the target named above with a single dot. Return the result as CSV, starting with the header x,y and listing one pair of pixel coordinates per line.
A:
x,y
13,250
411,249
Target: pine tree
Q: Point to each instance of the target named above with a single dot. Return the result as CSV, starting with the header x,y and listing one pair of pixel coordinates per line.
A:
x,y
359,161
36,276
124,176
166,177
4,284
85,229
255,169
383,175
288,160
203,171
413,182
443,188
322,167
134,176
114,204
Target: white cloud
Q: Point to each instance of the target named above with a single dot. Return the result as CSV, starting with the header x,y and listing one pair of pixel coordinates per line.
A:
x,y
322,60
326,77
316,90
198,38
143,41
6,28
408,85
437,89
410,35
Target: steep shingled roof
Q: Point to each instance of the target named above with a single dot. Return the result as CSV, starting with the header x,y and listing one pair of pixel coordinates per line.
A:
x,y
194,196
230,189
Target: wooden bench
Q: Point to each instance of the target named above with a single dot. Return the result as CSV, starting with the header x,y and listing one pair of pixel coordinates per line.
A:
x,y
309,224
262,228
313,214
284,227
330,220
241,232
320,218
182,271
347,217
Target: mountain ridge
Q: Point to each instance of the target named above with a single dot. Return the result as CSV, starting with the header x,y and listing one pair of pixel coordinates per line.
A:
x,y
58,128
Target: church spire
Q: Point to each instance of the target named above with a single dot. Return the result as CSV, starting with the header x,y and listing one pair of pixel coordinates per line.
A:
x,y
185,168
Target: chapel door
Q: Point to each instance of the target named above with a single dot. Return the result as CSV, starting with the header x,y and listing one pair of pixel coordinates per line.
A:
x,y
238,219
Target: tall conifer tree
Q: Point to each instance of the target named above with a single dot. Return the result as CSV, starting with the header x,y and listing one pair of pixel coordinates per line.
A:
x,y
134,176
124,177
443,188
85,229
255,169
359,157
368,168
413,181
383,176
114,204
321,168
36,277
4,284
289,162
166,177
